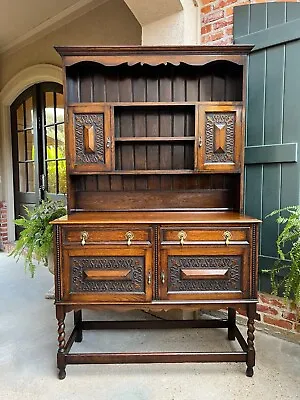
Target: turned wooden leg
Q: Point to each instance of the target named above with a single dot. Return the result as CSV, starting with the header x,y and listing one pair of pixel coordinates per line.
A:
x,y
61,364
78,325
250,339
231,323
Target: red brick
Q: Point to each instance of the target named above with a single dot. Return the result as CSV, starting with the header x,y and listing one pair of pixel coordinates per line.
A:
x,y
277,303
205,39
229,30
225,41
266,309
217,36
228,11
205,10
205,29
291,316
222,23
225,3
242,311
213,16
272,300
278,322
205,2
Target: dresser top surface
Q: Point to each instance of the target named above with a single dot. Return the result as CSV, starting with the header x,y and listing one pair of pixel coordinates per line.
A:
x,y
155,217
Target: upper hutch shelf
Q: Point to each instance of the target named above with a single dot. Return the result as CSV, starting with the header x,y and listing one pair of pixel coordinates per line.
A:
x,y
140,118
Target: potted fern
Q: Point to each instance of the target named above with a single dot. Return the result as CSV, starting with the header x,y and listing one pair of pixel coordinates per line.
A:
x,y
288,248
35,242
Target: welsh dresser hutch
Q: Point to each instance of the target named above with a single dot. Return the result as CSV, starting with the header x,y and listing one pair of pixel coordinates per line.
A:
x,y
155,160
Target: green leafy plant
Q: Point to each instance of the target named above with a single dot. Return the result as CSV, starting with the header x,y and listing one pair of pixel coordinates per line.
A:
x,y
288,248
36,237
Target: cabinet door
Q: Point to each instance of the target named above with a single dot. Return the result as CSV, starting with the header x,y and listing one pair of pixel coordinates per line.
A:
x,y
107,274
90,138
220,140
207,272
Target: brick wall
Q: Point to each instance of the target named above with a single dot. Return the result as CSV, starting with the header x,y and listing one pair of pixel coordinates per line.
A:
x,y
217,20
277,316
274,311
3,224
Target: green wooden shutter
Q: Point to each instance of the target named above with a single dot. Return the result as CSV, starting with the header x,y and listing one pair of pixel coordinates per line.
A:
x,y
273,115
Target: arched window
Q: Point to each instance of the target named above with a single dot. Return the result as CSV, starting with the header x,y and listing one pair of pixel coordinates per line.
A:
x,y
38,143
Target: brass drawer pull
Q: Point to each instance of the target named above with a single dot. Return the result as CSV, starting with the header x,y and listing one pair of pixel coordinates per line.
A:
x,y
129,236
182,236
227,236
84,236
162,277
149,280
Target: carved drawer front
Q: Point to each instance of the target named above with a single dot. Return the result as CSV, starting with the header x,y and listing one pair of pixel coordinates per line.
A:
x,y
108,236
90,141
204,273
226,235
220,138
107,275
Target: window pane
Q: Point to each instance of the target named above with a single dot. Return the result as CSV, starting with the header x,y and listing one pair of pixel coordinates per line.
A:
x,y
62,181
29,112
59,107
31,180
49,108
22,177
51,176
50,143
20,118
61,141
30,145
21,146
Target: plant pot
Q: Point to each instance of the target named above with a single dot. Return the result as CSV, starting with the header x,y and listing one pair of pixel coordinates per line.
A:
x,y
51,292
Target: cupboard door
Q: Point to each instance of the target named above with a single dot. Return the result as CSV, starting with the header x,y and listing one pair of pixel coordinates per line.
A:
x,y
210,272
220,140
110,275
90,138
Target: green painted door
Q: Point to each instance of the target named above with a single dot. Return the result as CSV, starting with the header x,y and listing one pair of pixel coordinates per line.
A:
x,y
273,115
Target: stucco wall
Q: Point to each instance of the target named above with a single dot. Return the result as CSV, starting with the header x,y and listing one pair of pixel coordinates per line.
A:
x,y
111,23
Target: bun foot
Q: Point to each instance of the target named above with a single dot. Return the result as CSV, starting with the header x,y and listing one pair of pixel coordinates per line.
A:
x,y
249,372
62,374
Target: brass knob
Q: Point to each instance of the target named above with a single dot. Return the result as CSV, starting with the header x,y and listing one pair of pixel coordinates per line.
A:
x,y
227,236
162,277
83,236
129,236
149,280
182,236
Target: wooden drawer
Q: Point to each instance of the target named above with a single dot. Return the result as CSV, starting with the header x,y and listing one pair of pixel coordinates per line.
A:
x,y
205,272
115,274
102,235
193,235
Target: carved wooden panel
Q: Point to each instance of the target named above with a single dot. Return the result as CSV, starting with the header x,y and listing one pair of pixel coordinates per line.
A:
x,y
89,138
219,137
228,273
121,274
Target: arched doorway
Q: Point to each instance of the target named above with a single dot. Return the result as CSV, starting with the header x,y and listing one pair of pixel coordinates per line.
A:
x,y
38,145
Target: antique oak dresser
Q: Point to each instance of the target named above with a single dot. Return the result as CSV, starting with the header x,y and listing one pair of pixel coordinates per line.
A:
x,y
155,160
